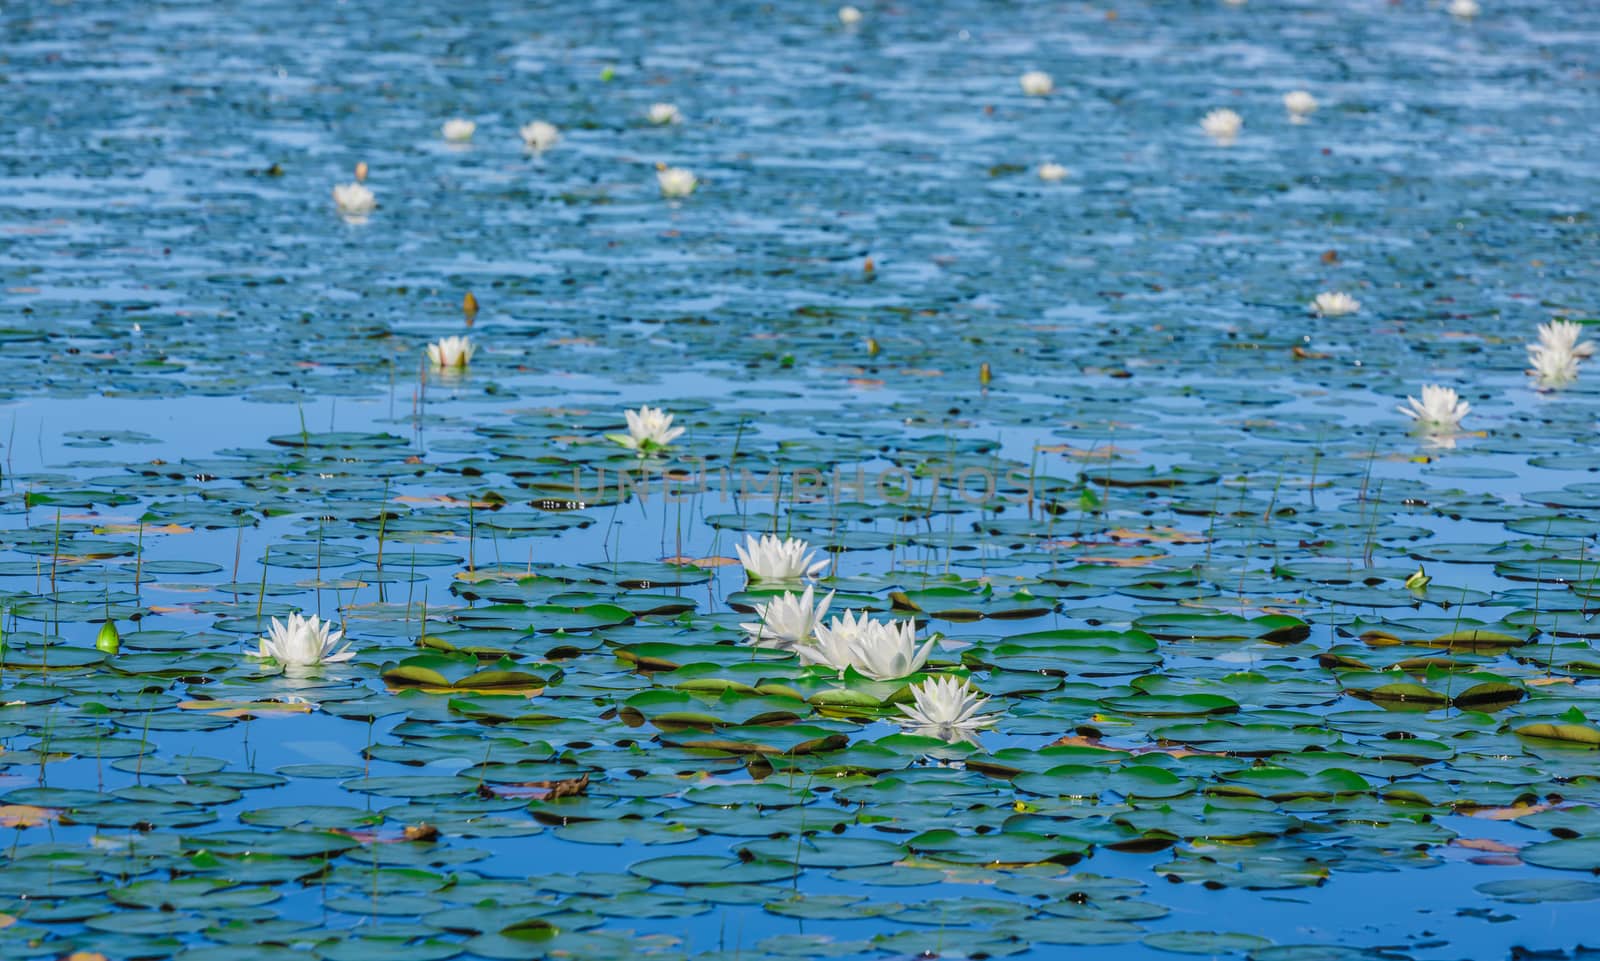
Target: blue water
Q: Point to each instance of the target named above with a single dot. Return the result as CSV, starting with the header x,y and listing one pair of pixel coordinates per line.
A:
x,y
187,316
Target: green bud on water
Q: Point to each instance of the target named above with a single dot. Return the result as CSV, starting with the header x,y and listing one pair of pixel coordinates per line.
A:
x,y
1418,581
608,74
108,639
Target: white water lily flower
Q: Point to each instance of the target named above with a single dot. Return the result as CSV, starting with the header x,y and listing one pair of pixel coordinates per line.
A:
x,y
1037,83
1332,303
832,641
1440,410
1300,105
676,181
946,708
878,650
787,622
452,352
662,114
303,642
354,200
1563,335
539,135
1222,125
1051,173
1465,9
649,429
769,558
458,130
1553,366
849,16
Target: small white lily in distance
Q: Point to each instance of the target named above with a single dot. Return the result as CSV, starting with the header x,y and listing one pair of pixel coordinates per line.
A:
x,y
770,558
1334,303
1037,83
946,708
1552,366
1438,412
787,622
662,114
1222,125
354,199
1052,173
649,429
303,642
539,135
849,16
676,181
452,352
1300,105
1464,9
458,130
1563,335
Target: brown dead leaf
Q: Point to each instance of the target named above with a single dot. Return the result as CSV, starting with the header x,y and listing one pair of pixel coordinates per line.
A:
x,y
246,708
866,383
1075,740
573,787
541,790
1106,452
421,832
1484,844
1542,681
1138,560
702,562
25,815
1170,750
1161,535
1507,813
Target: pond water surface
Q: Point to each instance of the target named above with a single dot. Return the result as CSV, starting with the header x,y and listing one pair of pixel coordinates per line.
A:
x,y
1276,676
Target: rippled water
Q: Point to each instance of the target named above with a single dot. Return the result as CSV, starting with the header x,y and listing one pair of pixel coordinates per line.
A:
x,y
1229,726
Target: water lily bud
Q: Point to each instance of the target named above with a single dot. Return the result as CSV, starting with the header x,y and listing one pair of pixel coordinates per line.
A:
x,y
869,266
1419,580
361,171
608,74
872,347
984,374
469,306
108,640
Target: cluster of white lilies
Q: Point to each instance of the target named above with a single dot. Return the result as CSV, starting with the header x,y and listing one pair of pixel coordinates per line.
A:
x,y
943,707
1554,359
356,201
